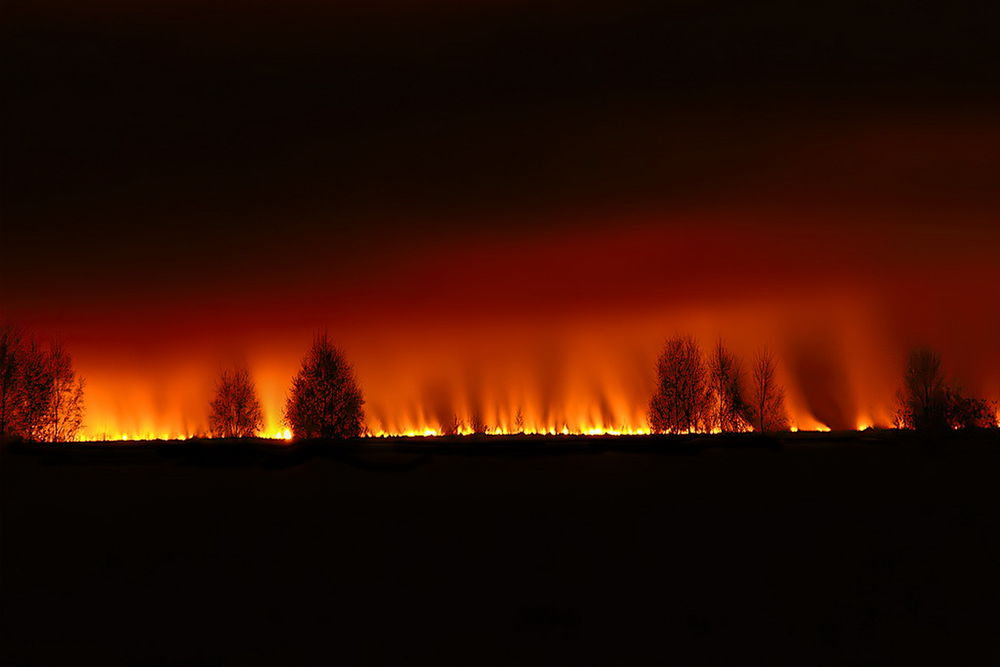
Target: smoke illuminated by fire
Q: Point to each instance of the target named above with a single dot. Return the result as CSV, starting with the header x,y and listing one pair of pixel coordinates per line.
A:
x,y
564,334
840,369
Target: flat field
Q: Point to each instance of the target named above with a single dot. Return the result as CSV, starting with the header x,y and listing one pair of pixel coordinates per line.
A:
x,y
811,549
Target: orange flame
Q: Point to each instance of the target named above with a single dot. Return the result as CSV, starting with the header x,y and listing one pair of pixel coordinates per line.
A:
x,y
593,376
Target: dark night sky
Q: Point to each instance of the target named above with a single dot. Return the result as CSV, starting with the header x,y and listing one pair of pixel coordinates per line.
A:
x,y
352,165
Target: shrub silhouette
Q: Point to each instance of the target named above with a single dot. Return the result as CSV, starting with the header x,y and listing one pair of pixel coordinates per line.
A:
x,y
767,397
680,403
325,400
969,412
454,427
518,421
235,410
927,403
477,423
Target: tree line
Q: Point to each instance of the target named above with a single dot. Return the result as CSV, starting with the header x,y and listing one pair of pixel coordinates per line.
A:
x,y
696,393
41,398
325,400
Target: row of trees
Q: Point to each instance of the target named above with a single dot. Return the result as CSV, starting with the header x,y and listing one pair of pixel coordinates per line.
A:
x,y
41,397
695,393
325,400
699,394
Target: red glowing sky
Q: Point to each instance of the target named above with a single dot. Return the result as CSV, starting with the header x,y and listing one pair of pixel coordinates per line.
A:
x,y
484,228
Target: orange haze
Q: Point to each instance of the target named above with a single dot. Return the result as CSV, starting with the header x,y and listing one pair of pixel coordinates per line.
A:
x,y
565,327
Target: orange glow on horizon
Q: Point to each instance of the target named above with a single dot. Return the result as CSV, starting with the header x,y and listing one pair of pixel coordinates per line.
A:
x,y
563,328
592,376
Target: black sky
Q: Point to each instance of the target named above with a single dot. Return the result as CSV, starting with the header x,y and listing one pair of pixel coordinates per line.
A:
x,y
192,132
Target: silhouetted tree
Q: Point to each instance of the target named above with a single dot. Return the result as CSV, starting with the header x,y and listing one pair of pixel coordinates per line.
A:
x,y
34,390
680,402
40,396
923,399
767,397
64,416
235,410
726,385
325,401
11,343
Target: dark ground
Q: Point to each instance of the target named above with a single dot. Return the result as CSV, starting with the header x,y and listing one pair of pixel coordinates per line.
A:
x,y
841,549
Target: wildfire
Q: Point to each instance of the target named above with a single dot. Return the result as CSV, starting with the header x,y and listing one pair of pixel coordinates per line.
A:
x,y
502,431
430,432
594,376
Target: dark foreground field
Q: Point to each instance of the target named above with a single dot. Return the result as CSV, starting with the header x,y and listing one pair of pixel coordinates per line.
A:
x,y
834,549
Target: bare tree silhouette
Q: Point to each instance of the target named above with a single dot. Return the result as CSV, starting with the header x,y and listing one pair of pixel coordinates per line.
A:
x,y
325,400
923,399
11,342
767,397
680,402
732,413
33,388
235,410
41,398
64,416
